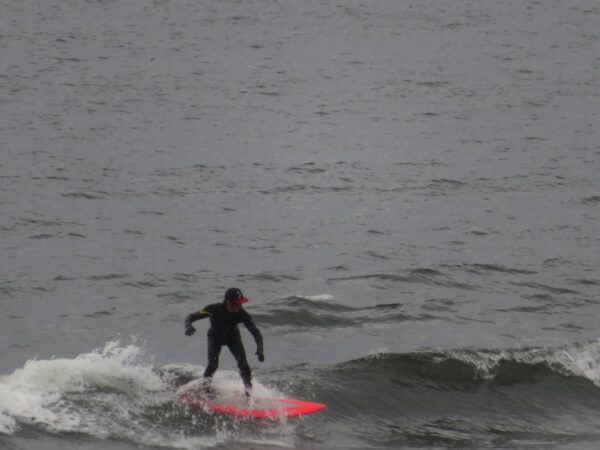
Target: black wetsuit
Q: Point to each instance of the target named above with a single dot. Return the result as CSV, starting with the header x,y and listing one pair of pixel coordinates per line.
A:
x,y
224,331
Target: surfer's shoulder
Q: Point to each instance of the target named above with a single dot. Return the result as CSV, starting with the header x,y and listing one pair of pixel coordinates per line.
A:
x,y
210,310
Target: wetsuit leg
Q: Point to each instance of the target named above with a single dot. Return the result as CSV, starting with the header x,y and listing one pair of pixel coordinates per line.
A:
x,y
214,350
236,347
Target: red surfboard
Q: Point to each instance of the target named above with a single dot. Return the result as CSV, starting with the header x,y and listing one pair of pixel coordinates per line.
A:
x,y
257,407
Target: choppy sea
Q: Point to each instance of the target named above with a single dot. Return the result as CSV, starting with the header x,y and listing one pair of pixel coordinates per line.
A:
x,y
407,191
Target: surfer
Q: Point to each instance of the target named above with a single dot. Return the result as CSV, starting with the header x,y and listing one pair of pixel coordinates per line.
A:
x,y
224,319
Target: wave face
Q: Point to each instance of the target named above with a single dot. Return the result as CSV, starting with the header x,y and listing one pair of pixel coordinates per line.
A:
x,y
464,398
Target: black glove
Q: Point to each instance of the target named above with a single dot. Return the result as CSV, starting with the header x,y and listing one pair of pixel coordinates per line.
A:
x,y
190,330
260,355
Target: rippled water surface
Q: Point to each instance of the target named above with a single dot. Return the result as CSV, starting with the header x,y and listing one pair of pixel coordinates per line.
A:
x,y
408,192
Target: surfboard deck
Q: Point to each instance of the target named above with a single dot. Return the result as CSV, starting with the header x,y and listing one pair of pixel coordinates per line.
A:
x,y
257,407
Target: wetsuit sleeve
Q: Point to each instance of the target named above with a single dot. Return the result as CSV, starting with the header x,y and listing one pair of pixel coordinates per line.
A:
x,y
253,329
197,316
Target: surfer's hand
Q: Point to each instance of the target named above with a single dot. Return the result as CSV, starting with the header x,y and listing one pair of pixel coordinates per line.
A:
x,y
190,330
260,355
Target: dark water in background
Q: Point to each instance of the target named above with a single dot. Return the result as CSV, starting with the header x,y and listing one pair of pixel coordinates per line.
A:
x,y
407,191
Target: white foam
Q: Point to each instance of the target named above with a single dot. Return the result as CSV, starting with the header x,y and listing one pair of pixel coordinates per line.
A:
x,y
33,393
229,382
582,360
114,392
320,297
27,395
378,352
8,425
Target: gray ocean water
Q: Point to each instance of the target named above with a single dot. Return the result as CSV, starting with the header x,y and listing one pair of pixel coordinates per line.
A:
x,y
407,191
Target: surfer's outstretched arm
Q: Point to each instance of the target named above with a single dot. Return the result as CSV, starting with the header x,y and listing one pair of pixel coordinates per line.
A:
x,y
189,329
253,329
